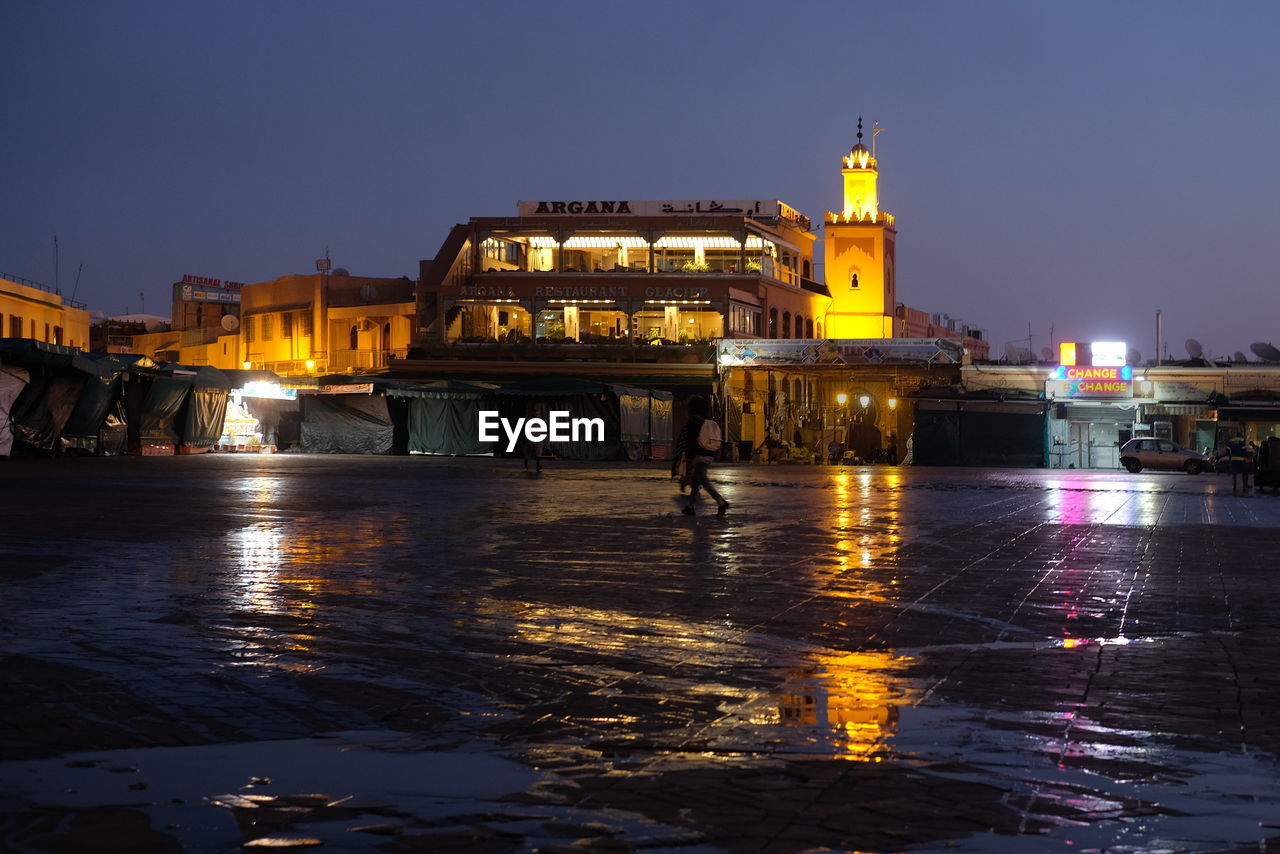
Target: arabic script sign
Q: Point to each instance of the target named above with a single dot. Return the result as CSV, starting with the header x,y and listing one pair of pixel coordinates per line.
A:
x,y
587,207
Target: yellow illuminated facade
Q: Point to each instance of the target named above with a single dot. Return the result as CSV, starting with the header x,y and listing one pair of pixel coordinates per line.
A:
x,y
859,256
31,310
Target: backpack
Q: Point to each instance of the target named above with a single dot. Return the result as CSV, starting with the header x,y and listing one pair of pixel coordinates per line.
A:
x,y
709,437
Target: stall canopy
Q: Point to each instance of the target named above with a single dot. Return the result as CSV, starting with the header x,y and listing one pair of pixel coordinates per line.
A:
x,y
13,380
444,416
56,378
634,418
200,421
97,425
346,415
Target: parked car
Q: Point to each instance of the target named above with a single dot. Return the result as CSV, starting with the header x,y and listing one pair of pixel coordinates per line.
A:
x,y
1139,454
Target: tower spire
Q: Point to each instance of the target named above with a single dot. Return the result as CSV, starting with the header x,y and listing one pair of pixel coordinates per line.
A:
x,y
859,130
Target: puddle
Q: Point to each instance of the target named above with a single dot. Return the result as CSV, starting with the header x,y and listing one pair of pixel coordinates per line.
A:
x,y
347,790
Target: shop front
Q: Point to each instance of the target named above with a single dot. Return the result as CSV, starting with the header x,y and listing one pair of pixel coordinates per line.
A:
x,y
525,309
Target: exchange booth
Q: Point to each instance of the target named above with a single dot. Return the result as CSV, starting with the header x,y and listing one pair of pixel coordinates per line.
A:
x,y
1094,411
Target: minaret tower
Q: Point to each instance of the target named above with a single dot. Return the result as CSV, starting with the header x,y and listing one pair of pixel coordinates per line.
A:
x,y
860,254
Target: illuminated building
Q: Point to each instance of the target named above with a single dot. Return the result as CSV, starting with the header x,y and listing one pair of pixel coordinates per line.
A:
x,y
32,310
320,324
624,273
860,254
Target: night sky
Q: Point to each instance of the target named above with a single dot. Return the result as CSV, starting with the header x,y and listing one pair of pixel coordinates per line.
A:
x,y
1078,164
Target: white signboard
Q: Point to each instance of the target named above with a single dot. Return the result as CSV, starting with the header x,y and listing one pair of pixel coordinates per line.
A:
x,y
1108,354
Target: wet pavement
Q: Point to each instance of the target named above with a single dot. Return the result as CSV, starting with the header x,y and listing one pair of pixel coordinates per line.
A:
x,y
414,654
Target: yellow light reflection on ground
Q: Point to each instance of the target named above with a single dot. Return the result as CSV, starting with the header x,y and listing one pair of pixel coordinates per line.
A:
x,y
849,702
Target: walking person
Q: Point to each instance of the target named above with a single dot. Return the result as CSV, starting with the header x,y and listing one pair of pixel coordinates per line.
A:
x,y
533,450
1238,454
701,438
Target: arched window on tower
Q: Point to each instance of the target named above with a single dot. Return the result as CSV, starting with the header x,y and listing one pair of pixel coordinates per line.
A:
x,y
773,323
808,328
786,324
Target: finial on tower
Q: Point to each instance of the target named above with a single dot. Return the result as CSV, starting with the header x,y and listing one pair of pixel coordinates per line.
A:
x,y
859,130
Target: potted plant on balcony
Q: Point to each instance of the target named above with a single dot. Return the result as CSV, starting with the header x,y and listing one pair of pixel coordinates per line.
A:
x,y
696,267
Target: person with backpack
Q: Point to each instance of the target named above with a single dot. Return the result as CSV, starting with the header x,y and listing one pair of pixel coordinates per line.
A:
x,y
701,439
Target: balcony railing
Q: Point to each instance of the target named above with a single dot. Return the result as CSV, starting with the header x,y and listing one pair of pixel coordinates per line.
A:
x,y
49,289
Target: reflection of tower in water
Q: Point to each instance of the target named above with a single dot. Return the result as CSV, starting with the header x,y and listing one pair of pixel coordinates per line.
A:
x,y
849,701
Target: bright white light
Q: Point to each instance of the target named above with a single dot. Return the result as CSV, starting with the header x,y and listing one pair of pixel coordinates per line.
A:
x,y
1108,354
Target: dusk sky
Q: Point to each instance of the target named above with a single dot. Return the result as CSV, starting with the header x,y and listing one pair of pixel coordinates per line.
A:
x,y
1077,164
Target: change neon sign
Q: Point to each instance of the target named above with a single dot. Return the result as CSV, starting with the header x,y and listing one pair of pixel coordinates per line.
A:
x,y
1096,381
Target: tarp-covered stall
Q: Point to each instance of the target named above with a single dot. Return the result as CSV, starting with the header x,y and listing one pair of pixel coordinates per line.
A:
x,y
154,397
56,378
343,417
632,422
444,416
199,422
13,380
97,423
645,422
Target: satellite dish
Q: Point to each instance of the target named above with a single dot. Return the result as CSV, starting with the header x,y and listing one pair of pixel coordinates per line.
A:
x,y
155,325
1133,358
1194,350
1239,357
1047,354
368,293
1265,352
341,271
365,324
230,322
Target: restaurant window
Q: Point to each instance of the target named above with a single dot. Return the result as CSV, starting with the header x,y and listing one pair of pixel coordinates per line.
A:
x,y
502,251
286,325
806,270
744,320
773,323
250,330
57,335
46,333
268,327
353,339
304,324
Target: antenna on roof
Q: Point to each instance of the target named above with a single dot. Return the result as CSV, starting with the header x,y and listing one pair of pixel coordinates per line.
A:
x,y
77,287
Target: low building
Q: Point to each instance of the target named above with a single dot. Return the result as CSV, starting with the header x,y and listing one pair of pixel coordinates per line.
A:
x,y
322,324
1077,417
29,309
